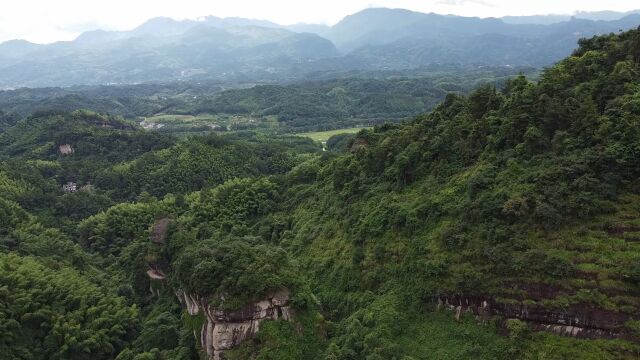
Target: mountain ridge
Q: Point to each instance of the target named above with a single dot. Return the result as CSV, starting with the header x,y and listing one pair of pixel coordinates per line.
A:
x,y
249,51
318,28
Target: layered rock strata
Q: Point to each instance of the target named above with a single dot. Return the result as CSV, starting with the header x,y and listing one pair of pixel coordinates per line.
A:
x,y
575,321
223,330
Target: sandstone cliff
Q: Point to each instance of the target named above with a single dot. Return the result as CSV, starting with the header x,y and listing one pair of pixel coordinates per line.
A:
x,y
223,330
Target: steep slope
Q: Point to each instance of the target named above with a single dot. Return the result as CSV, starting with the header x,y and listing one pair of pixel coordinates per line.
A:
x,y
515,210
502,225
521,204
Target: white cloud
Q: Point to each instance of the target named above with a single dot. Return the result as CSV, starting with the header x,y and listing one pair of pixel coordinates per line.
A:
x,y
49,20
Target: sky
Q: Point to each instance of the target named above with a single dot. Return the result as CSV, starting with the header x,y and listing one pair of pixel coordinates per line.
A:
x,y
44,21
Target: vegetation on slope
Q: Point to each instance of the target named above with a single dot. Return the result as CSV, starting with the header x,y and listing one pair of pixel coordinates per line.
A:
x,y
524,197
309,105
491,196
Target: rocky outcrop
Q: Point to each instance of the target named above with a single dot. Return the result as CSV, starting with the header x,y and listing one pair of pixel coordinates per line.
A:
x,y
575,321
223,330
159,230
156,274
65,149
218,330
359,143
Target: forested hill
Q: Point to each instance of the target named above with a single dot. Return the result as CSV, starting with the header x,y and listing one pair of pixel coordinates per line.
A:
x,y
523,201
357,99
515,209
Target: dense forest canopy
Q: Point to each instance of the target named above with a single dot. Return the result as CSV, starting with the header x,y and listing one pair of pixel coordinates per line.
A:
x,y
515,206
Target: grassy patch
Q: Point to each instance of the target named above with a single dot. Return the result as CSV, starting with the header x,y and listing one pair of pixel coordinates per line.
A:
x,y
323,136
207,122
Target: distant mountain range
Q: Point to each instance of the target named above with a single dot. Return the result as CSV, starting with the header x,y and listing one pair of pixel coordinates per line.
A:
x,y
552,19
244,50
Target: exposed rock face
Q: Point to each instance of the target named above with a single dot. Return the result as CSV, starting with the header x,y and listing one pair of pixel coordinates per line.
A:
x,y
156,274
65,149
358,144
575,321
223,330
159,230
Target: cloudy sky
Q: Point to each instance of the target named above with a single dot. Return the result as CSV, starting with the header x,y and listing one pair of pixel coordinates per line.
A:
x,y
51,20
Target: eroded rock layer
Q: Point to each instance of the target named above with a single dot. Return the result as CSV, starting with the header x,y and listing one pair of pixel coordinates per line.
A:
x,y
575,321
223,330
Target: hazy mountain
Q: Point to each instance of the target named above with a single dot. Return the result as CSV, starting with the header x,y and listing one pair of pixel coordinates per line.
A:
x,y
162,49
245,50
16,48
604,15
236,21
369,40
552,19
384,26
536,19
369,23
319,29
163,26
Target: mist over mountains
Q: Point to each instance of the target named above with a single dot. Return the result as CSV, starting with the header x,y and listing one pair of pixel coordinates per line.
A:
x,y
238,50
605,15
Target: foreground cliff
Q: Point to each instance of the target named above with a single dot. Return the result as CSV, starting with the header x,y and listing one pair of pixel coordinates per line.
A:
x,y
224,330
224,314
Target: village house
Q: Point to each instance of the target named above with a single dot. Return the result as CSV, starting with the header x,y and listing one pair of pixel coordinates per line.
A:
x,y
70,187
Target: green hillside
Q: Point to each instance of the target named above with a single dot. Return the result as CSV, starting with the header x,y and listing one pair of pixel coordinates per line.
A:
x,y
502,225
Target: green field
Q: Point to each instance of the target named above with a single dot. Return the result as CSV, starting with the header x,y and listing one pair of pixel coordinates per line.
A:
x,y
208,122
323,136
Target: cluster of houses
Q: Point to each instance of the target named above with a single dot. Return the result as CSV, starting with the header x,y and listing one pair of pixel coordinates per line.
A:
x,y
71,187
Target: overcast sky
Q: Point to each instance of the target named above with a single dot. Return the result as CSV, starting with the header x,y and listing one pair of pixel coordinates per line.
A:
x,y
51,20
